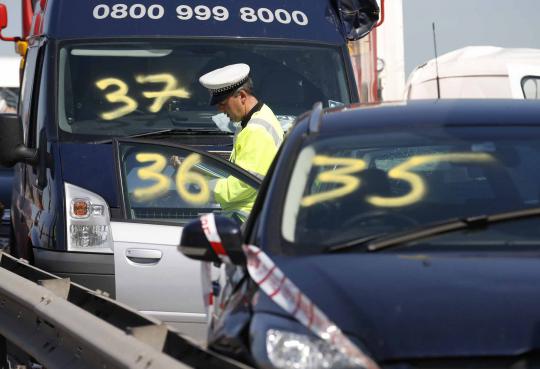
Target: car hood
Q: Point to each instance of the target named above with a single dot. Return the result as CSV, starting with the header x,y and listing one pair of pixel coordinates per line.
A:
x,y
410,306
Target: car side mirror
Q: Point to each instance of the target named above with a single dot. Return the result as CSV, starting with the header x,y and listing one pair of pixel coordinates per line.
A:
x,y
195,245
12,149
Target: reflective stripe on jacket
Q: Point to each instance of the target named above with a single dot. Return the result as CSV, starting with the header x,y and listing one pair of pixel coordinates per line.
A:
x,y
254,149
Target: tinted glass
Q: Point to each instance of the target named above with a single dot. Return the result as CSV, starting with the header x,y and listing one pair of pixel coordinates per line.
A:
x,y
118,89
531,87
168,184
348,187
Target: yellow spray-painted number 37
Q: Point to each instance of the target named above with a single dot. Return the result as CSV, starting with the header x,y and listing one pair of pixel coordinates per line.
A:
x,y
184,177
129,105
117,96
400,172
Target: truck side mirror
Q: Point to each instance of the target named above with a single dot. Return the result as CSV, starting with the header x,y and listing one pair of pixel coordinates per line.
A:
x,y
195,245
12,149
358,17
3,17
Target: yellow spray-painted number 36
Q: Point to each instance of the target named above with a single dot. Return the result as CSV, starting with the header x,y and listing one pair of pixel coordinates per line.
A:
x,y
184,177
400,172
152,172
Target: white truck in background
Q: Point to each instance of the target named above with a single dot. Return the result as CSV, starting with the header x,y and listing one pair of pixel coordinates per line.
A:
x,y
478,72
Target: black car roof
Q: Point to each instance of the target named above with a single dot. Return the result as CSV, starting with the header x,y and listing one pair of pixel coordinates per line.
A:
x,y
487,112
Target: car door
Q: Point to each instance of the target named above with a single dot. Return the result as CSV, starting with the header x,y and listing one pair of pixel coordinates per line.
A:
x,y
524,81
163,187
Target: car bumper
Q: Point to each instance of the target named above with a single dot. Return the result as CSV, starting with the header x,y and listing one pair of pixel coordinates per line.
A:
x,y
94,271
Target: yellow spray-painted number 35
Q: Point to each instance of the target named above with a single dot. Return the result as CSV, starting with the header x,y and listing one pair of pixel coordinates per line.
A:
x,y
400,172
341,175
418,186
184,177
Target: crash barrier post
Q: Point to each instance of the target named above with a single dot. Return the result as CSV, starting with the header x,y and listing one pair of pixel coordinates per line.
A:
x,y
64,325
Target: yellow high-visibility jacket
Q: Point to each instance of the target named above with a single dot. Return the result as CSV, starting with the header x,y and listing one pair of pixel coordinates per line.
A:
x,y
254,149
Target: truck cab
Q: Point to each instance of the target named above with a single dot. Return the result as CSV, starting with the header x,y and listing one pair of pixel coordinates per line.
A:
x,y
98,75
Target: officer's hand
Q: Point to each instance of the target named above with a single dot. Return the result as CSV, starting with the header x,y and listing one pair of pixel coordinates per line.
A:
x,y
175,161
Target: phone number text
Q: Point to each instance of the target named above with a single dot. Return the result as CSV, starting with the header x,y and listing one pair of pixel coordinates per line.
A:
x,y
201,13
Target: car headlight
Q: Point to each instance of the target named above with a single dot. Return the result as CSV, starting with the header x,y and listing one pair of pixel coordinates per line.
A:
x,y
291,350
88,221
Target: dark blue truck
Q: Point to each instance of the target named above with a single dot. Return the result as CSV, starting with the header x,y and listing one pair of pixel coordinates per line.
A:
x,y
101,71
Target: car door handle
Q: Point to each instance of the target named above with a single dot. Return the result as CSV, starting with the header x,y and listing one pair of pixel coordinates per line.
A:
x,y
144,256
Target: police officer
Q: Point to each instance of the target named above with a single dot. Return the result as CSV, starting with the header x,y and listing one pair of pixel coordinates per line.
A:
x,y
256,144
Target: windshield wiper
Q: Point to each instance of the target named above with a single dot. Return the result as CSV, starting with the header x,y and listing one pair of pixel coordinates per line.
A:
x,y
377,243
172,132
358,242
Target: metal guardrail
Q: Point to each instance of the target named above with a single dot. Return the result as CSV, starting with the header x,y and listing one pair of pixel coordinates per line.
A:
x,y
65,325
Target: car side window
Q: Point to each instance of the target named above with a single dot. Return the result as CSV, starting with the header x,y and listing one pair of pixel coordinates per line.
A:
x,y
531,87
173,185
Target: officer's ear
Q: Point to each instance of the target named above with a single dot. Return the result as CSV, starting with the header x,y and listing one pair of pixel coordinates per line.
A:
x,y
243,95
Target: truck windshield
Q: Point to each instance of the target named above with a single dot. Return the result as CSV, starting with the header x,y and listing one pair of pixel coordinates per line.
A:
x,y
127,88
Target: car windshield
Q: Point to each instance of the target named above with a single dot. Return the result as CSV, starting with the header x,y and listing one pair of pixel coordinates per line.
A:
x,y
128,88
346,188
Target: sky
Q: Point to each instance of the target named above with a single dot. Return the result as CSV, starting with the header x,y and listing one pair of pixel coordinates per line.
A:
x,y
14,26
460,23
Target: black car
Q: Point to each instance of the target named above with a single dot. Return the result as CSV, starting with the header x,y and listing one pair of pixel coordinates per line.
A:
x,y
413,228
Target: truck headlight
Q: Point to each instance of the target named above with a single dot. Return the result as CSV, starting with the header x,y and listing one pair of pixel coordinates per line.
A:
x,y
291,350
88,221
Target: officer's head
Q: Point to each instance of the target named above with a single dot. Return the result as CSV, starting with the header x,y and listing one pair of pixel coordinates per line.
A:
x,y
231,90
